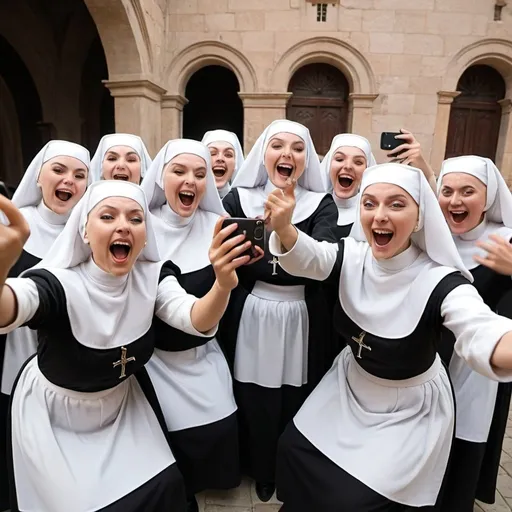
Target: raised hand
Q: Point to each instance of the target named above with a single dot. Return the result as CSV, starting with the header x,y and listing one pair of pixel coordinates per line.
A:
x,y
279,207
499,255
409,153
225,255
12,237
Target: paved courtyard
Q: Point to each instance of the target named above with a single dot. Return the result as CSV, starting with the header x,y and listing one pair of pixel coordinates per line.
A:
x,y
244,498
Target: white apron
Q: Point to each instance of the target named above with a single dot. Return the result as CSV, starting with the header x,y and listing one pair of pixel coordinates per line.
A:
x,y
194,386
75,437
373,428
272,342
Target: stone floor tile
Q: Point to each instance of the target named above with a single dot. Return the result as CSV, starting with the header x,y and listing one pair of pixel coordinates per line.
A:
x,y
227,508
266,507
256,500
241,496
500,505
505,485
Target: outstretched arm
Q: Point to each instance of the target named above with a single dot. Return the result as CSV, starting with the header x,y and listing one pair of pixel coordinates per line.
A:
x,y
12,240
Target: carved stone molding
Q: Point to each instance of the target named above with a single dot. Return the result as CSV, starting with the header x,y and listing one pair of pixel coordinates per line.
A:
x,y
174,101
265,99
362,100
447,97
134,88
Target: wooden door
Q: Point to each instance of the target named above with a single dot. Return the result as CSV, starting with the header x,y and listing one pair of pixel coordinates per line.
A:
x,y
320,102
476,114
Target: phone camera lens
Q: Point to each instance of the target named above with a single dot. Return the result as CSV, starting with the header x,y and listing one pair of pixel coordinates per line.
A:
x,y
258,233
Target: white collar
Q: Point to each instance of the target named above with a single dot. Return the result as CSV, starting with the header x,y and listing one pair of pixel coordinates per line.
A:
x,y
224,191
387,297
346,209
50,216
169,216
102,278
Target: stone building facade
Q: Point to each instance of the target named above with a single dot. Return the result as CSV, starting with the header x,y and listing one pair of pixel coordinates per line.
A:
x,y
74,69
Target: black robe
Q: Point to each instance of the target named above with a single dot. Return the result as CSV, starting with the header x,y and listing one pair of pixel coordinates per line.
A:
x,y
474,467
265,412
207,455
25,261
67,363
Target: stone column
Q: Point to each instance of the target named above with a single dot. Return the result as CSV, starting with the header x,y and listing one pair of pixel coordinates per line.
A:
x,y
260,109
444,106
138,110
504,150
172,116
360,113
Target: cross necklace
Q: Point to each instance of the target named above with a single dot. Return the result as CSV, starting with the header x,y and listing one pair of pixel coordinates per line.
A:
x,y
361,344
123,361
274,261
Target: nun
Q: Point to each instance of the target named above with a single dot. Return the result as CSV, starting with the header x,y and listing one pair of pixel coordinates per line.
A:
x,y
190,373
52,185
476,203
278,328
226,157
120,156
377,431
343,167
85,429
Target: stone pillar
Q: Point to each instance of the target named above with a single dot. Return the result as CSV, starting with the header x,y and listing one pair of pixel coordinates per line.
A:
x,y
260,109
138,110
172,116
444,106
504,150
360,113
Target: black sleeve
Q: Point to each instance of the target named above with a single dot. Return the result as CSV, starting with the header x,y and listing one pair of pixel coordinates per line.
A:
x,y
52,299
169,269
325,220
231,203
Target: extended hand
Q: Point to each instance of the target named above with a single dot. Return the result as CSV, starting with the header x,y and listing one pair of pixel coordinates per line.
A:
x,y
225,255
12,237
499,255
279,207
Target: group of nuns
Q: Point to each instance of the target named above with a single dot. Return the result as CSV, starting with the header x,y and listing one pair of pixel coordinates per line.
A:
x,y
361,362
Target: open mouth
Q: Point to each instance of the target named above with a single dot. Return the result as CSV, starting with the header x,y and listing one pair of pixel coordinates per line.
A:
x,y
121,176
63,195
284,170
382,237
187,198
345,181
459,216
120,251
219,171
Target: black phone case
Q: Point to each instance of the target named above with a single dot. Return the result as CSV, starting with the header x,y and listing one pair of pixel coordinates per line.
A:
x,y
388,141
252,228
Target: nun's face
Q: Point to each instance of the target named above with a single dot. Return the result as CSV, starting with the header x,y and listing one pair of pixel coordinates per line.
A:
x,y
63,180
223,162
347,167
285,157
116,233
462,199
185,183
388,216
121,163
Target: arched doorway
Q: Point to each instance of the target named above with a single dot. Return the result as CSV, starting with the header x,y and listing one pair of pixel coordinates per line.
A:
x,y
213,102
475,116
24,97
320,102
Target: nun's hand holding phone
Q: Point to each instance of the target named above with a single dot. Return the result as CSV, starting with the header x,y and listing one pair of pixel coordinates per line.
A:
x,y
226,254
279,209
410,153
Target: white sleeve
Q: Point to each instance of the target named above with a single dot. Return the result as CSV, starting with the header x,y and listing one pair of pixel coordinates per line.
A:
x,y
307,258
27,298
477,330
174,306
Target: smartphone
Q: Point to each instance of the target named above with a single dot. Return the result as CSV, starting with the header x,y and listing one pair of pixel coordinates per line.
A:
x,y
253,229
388,141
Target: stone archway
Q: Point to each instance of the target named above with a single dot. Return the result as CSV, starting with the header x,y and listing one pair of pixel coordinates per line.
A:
x,y
350,61
192,59
496,53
